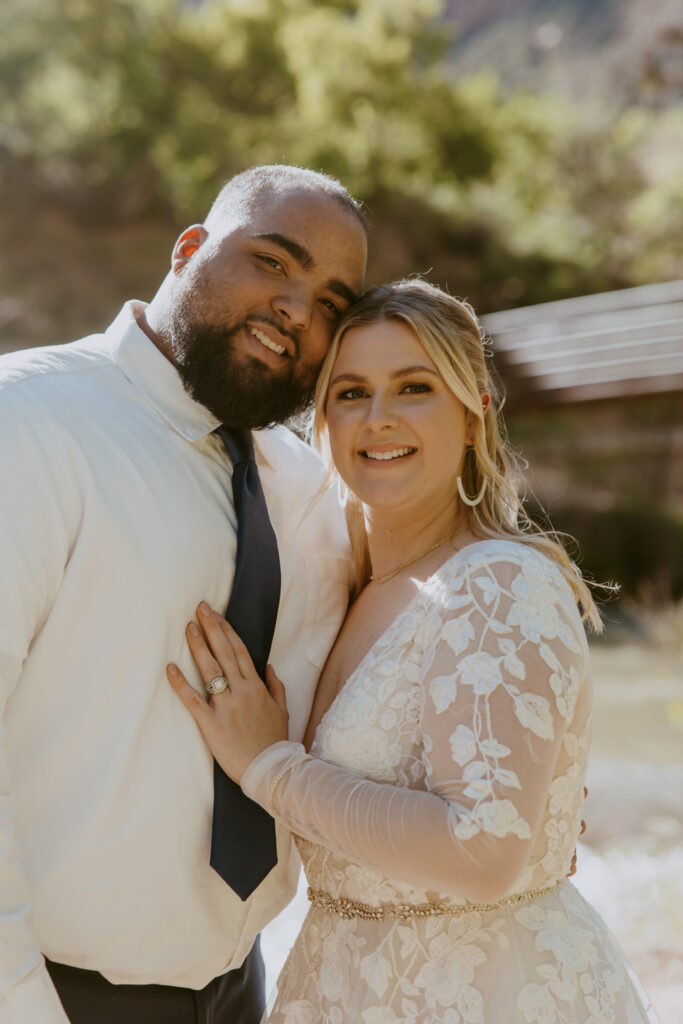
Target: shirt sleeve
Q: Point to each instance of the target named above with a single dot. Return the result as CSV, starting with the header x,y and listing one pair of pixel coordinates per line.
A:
x,y
499,686
33,1001
34,548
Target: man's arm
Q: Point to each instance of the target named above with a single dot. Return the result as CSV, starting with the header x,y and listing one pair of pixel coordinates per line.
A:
x,y
33,551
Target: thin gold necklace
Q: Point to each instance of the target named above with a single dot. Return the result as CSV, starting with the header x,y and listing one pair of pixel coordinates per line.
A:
x,y
404,565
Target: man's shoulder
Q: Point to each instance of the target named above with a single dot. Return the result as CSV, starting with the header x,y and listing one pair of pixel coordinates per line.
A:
x,y
297,475
33,367
285,450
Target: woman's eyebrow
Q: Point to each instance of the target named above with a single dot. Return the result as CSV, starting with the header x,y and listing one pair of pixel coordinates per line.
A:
x,y
403,372
347,376
407,370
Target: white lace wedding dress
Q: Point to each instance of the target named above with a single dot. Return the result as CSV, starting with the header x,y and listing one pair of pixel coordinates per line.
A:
x,y
438,813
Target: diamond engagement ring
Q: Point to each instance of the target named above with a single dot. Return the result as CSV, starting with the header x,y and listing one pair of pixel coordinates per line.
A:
x,y
217,685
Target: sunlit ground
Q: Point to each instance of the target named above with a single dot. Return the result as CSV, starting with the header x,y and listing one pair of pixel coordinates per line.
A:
x,y
631,861
631,857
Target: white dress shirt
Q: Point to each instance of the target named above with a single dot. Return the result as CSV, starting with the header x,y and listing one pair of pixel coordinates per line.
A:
x,y
116,519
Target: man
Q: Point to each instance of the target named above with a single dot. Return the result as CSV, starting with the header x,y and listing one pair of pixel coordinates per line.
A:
x,y
116,518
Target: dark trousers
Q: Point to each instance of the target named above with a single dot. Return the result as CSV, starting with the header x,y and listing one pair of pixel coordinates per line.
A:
x,y
237,997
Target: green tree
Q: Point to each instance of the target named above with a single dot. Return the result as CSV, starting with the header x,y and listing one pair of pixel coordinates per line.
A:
x,y
125,112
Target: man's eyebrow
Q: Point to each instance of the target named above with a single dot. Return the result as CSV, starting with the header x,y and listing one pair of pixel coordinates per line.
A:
x,y
297,251
343,290
303,257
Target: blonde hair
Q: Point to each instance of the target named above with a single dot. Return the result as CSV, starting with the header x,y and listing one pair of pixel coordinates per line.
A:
x,y
449,331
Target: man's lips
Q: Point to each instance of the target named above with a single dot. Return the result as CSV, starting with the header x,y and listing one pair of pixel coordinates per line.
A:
x,y
271,340
387,454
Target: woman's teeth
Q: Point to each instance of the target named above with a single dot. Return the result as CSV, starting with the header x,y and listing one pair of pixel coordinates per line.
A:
x,y
265,340
395,454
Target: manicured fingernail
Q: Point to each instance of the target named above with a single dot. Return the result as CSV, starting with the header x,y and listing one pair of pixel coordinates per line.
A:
x,y
172,670
204,608
193,629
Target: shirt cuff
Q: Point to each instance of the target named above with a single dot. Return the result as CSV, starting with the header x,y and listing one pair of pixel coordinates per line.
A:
x,y
33,1001
265,771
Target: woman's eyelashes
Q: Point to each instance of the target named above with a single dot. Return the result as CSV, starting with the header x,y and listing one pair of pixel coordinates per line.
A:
x,y
349,394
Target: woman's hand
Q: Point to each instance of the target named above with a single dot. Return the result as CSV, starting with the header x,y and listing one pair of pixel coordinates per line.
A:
x,y
247,717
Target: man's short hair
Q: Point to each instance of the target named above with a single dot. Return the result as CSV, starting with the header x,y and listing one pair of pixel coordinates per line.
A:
x,y
246,188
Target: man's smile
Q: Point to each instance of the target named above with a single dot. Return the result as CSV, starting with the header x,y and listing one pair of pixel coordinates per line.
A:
x,y
274,346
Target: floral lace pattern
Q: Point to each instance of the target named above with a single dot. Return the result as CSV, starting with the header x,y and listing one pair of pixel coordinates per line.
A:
x,y
478,695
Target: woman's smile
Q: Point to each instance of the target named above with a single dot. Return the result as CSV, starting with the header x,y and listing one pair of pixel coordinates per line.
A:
x,y
388,454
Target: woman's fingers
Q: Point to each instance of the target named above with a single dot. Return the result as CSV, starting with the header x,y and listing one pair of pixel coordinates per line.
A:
x,y
194,703
224,641
207,664
246,665
572,866
251,717
212,649
276,688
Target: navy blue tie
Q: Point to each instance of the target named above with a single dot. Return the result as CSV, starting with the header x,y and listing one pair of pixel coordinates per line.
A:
x,y
243,848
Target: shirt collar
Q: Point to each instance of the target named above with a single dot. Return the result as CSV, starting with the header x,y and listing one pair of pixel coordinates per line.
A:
x,y
155,376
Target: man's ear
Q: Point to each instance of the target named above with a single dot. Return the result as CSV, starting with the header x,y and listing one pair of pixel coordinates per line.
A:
x,y
187,245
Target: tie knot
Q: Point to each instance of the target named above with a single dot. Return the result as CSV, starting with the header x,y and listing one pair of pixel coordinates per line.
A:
x,y
238,443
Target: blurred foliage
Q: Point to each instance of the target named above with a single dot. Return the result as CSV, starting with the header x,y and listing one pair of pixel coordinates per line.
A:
x,y
121,119
121,111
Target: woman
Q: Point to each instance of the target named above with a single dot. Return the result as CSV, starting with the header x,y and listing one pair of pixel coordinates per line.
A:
x,y
438,808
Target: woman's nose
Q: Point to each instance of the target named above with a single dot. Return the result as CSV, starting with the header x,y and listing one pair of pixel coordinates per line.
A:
x,y
381,412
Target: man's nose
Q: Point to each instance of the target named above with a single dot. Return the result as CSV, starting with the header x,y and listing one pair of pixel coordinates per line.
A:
x,y
295,307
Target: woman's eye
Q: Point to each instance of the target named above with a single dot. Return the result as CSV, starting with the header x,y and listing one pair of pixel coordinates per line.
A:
x,y
415,389
350,394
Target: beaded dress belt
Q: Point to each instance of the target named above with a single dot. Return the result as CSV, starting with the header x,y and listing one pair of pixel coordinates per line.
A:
x,y
405,911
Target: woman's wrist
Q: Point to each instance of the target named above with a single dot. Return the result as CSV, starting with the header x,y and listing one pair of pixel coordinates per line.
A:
x,y
260,779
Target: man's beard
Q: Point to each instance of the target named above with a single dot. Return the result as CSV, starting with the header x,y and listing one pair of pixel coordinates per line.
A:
x,y
239,390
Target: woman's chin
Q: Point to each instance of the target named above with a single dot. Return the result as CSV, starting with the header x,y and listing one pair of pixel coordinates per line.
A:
x,y
388,501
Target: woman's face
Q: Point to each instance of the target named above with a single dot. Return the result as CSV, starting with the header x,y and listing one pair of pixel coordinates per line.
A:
x,y
397,433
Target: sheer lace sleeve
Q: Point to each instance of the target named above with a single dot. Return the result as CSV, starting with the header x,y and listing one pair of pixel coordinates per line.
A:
x,y
501,675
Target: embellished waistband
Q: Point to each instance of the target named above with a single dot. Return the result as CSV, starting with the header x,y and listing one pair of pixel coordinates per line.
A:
x,y
348,909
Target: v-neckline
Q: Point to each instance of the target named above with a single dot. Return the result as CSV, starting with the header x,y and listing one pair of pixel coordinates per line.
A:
x,y
399,618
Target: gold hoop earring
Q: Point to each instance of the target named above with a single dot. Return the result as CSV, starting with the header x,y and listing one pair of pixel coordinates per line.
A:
x,y
472,502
